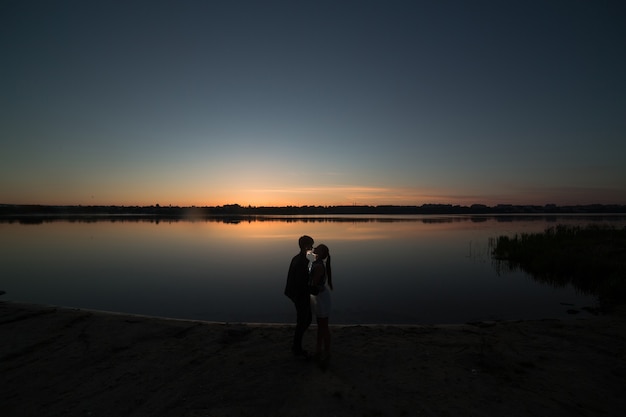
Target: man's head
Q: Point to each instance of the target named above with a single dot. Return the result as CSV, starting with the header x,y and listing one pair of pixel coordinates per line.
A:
x,y
305,242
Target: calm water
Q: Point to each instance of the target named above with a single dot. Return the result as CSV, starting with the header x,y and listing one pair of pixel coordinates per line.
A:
x,y
389,269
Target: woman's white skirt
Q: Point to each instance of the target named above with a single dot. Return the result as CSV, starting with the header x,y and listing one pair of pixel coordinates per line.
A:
x,y
321,304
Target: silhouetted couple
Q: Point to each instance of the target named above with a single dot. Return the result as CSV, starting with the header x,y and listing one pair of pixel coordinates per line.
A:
x,y
308,287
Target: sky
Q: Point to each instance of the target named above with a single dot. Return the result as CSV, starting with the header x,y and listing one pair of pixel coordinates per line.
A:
x,y
276,103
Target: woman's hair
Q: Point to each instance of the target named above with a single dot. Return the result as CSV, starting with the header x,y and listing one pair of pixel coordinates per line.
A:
x,y
324,253
329,272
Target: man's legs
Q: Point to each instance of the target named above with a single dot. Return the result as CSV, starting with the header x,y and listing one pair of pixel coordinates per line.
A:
x,y
303,321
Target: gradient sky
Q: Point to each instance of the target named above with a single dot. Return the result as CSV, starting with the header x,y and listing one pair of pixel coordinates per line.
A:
x,y
312,102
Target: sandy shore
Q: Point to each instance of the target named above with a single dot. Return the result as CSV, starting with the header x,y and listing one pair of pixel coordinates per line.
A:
x,y
67,362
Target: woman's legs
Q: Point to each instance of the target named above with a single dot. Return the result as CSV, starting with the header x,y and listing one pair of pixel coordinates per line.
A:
x,y
323,337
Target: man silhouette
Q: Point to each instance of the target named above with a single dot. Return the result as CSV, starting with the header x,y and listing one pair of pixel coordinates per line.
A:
x,y
297,289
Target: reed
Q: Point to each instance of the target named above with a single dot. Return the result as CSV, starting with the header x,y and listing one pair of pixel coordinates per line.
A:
x,y
591,258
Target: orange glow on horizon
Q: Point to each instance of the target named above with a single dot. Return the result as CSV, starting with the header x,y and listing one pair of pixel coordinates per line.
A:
x,y
319,196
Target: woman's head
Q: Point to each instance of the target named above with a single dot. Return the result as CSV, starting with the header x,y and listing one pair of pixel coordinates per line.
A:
x,y
321,251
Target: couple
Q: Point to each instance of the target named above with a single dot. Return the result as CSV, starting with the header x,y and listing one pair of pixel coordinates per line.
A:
x,y
307,287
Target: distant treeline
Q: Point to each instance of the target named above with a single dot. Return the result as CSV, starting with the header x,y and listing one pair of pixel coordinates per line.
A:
x,y
15,210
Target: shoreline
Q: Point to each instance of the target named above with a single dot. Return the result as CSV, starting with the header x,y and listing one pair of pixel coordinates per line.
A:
x,y
63,362
570,312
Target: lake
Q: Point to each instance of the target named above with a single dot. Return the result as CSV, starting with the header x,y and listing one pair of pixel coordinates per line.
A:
x,y
386,269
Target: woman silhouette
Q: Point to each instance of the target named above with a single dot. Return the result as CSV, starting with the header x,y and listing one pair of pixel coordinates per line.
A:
x,y
322,279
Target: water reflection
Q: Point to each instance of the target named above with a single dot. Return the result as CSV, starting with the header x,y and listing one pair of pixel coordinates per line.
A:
x,y
387,269
237,219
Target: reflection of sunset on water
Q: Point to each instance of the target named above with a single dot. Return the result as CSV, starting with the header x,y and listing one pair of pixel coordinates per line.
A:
x,y
386,269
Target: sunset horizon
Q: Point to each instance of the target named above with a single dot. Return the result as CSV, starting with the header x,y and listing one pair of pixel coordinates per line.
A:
x,y
277,103
232,204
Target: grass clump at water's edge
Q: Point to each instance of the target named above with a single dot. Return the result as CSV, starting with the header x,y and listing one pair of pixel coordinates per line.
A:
x,y
591,258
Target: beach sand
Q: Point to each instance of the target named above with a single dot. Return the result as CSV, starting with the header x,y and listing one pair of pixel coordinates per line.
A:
x,y
69,362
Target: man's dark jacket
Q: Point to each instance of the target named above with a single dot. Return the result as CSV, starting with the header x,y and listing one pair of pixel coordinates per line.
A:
x,y
298,277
